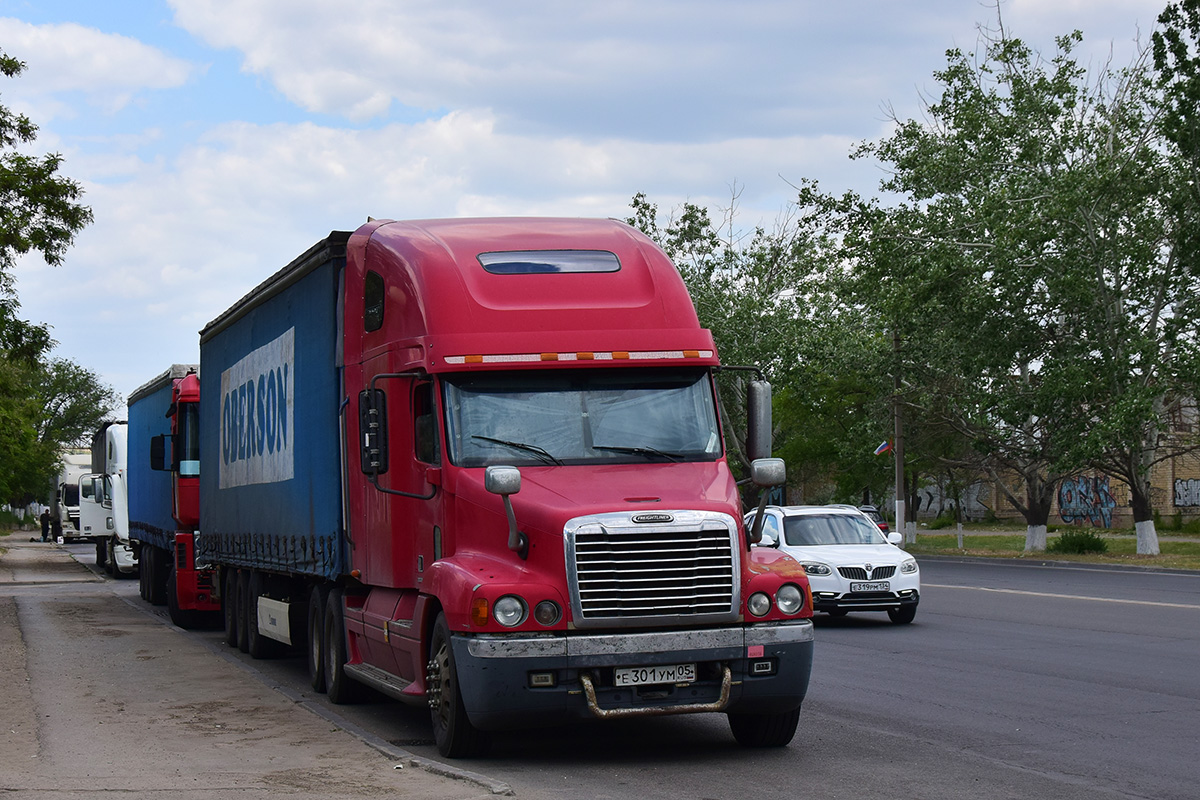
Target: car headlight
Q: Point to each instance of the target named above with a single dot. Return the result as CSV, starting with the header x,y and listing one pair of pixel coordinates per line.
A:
x,y
816,568
759,604
790,599
509,611
908,567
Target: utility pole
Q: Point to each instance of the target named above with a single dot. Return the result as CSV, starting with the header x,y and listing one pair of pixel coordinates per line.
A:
x,y
898,447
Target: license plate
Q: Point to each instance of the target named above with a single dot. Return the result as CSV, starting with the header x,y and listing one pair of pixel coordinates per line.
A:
x,y
874,586
640,676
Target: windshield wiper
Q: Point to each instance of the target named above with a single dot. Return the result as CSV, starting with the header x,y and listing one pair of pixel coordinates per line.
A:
x,y
528,448
640,451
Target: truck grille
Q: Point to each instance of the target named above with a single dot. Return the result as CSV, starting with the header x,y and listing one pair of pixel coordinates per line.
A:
x,y
623,573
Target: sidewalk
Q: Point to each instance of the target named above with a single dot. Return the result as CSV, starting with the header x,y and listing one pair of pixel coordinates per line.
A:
x,y
102,697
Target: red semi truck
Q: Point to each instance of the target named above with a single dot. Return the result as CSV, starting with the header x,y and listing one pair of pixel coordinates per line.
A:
x,y
477,464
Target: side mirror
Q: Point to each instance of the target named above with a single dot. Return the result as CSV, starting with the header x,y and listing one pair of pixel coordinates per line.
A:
x,y
765,472
158,453
896,538
758,420
372,425
506,481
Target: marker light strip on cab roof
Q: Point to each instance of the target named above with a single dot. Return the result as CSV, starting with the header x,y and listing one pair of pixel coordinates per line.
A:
x,y
616,355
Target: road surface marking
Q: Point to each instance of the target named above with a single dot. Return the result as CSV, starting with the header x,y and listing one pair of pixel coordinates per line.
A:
x,y
1064,596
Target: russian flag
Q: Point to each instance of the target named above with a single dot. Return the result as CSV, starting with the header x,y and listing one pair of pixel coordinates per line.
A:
x,y
883,448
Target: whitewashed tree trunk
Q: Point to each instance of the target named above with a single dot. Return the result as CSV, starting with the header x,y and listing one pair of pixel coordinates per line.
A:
x,y
1035,539
1147,538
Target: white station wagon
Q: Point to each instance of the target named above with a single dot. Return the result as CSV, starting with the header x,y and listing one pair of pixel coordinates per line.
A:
x,y
850,565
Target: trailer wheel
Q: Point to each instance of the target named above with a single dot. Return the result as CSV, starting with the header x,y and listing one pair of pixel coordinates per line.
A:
x,y
229,605
152,565
143,569
340,687
764,730
188,619
258,645
242,603
456,737
318,598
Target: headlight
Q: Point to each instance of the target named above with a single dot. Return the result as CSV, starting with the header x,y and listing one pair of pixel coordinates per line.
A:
x,y
909,566
790,599
816,568
547,612
509,611
759,604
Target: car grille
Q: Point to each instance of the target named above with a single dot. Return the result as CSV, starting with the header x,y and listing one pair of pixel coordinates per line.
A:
x,y
860,574
624,573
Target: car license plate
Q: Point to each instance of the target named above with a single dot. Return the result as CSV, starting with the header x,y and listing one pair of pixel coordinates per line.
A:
x,y
639,676
874,586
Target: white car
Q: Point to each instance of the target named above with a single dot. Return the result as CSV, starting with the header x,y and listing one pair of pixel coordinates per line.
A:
x,y
851,566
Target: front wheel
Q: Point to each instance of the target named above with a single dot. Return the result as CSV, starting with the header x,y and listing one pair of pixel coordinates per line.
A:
x,y
456,737
764,730
902,615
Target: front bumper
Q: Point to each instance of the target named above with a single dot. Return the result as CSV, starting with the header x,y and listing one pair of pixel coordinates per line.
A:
x,y
520,680
864,601
124,558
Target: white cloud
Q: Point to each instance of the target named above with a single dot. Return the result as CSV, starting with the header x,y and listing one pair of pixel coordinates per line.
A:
x,y
108,68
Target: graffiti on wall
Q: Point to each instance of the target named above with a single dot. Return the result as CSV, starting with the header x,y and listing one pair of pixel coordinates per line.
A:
x,y
1187,493
1082,499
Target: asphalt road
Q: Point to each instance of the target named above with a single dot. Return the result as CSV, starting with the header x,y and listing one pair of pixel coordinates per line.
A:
x,y
1015,681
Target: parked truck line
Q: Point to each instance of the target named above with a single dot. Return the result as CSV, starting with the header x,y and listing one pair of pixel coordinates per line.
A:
x,y
478,466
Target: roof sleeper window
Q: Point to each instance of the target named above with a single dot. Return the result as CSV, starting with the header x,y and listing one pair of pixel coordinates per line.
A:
x,y
373,295
541,262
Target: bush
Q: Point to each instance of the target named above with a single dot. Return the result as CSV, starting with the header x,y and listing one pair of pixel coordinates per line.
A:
x,y
940,522
1077,542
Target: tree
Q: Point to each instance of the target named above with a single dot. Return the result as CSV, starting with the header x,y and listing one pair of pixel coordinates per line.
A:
x,y
768,298
1033,267
38,207
45,403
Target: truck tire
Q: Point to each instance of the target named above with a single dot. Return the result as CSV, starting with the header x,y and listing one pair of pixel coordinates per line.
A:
x,y
229,605
188,619
157,567
318,598
102,556
143,575
764,730
340,687
242,601
456,737
257,645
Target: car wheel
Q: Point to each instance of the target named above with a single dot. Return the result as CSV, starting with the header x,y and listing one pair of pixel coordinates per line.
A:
x,y
764,730
902,615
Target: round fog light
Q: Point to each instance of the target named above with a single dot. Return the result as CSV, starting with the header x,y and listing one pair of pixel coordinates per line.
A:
x,y
790,599
509,611
547,613
759,604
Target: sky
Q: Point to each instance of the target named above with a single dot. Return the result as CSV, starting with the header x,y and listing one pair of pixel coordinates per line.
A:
x,y
218,139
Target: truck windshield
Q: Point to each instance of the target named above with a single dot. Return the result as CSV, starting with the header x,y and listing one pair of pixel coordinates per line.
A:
x,y
575,417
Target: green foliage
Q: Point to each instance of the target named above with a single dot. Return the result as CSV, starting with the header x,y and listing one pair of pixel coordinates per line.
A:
x,y
1078,541
39,208
45,403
